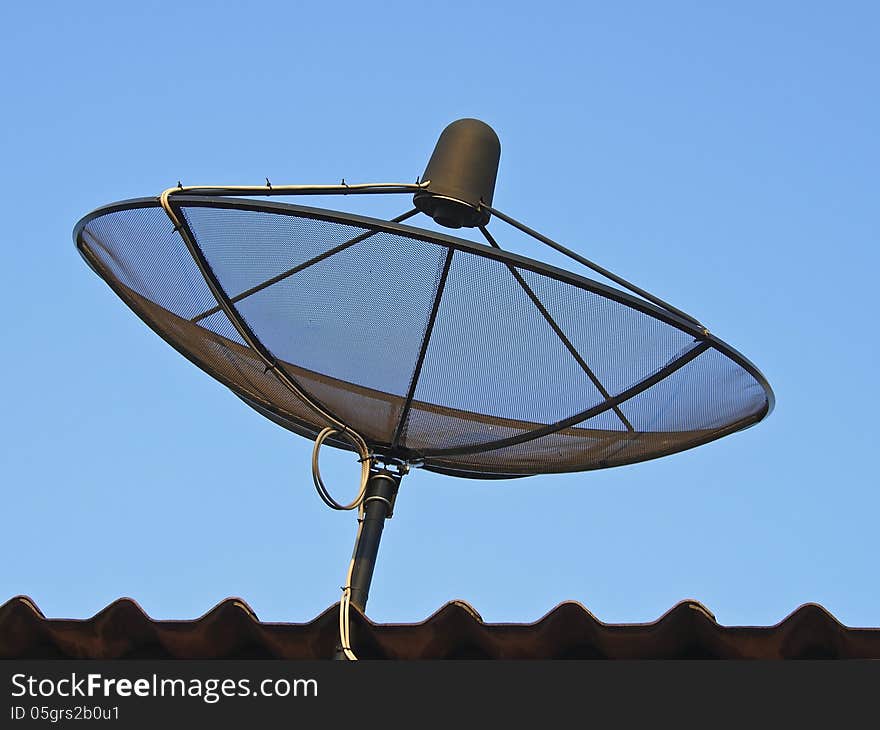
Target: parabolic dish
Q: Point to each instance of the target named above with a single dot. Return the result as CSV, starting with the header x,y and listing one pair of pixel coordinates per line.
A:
x,y
470,359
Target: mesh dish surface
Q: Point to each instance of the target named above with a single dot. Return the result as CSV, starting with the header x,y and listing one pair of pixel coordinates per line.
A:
x,y
475,360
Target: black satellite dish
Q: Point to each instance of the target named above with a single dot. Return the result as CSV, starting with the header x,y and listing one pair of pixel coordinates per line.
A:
x,y
415,348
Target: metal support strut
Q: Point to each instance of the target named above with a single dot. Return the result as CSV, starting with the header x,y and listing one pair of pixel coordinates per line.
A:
x,y
378,506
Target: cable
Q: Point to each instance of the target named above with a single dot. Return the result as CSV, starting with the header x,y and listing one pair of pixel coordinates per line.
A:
x,y
338,428
286,190
228,306
345,601
365,459
357,502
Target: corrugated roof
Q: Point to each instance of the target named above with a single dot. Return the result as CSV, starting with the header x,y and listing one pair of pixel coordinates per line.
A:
x,y
231,630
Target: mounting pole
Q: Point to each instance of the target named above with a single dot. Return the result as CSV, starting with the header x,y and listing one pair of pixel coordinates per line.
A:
x,y
378,506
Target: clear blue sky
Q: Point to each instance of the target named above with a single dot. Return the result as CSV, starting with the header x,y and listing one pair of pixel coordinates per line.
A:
x,y
725,158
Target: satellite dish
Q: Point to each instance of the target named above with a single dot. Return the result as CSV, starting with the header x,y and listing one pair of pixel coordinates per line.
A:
x,y
417,348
